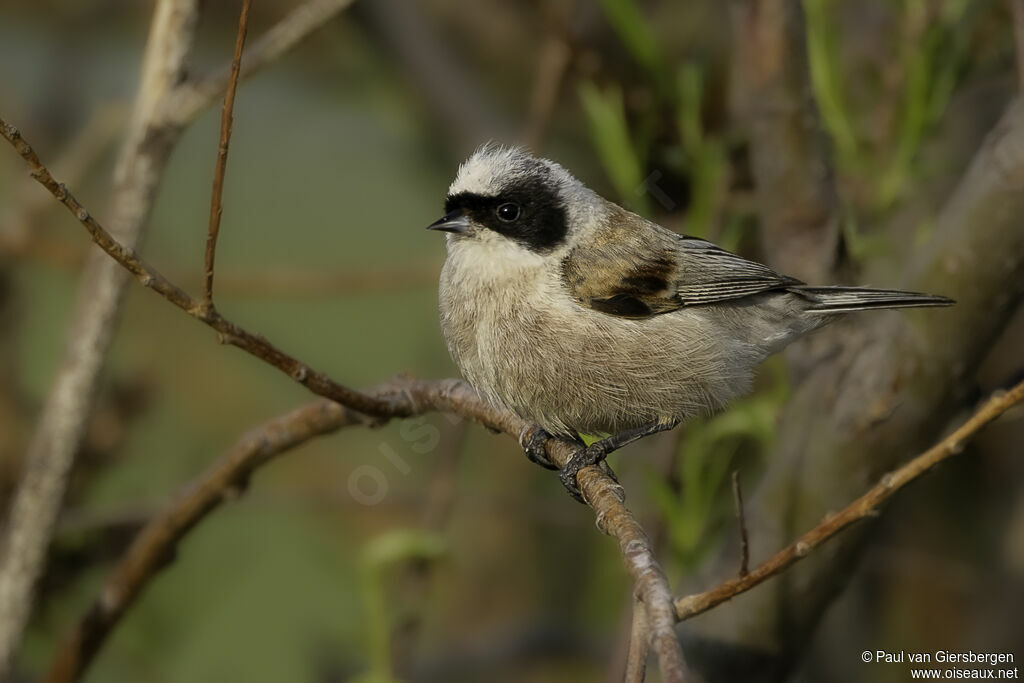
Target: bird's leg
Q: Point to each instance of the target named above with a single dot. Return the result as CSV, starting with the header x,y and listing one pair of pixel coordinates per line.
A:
x,y
595,453
533,444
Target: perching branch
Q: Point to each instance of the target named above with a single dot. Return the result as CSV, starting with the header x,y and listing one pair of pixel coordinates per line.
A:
x,y
403,398
867,506
155,544
226,119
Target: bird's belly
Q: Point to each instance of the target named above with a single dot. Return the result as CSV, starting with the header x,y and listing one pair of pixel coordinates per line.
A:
x,y
571,369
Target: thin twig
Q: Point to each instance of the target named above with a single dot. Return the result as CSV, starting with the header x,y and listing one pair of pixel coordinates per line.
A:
x,y
639,644
741,519
284,35
864,507
55,441
226,120
230,333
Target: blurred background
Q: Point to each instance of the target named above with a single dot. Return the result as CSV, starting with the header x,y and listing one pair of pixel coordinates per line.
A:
x,y
429,549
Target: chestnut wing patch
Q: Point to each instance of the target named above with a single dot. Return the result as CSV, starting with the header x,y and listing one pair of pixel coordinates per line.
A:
x,y
652,271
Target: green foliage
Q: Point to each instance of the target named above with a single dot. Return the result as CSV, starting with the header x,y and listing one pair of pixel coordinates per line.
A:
x,y
707,163
827,82
381,555
622,161
711,449
932,50
624,151
930,64
634,32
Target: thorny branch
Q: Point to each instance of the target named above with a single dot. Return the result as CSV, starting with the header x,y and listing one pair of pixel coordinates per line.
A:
x,y
864,507
226,119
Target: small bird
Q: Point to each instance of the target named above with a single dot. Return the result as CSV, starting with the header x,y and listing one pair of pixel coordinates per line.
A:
x,y
584,318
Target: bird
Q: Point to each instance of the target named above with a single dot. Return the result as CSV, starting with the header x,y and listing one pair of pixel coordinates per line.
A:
x,y
583,318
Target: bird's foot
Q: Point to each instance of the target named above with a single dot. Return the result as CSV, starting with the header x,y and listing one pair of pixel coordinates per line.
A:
x,y
594,454
533,445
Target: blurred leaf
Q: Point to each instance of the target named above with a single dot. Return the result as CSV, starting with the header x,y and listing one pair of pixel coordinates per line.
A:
x,y
381,554
706,155
606,117
629,23
827,80
930,66
695,515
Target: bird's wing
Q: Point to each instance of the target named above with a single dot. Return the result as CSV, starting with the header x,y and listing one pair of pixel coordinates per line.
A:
x,y
637,269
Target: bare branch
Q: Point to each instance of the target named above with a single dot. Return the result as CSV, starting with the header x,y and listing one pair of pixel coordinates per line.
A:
x,y
230,333
61,423
154,546
151,549
639,644
194,97
226,119
864,507
741,520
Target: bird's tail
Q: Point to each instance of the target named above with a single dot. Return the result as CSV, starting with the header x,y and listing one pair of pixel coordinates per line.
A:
x,y
844,299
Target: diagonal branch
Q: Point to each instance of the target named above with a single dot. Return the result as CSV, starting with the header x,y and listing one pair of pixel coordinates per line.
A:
x,y
404,398
155,544
216,209
51,451
195,96
230,333
863,508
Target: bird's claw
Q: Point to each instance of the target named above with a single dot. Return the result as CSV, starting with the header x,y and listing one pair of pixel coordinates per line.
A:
x,y
592,455
533,446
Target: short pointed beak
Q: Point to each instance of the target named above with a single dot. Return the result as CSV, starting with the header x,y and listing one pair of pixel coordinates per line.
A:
x,y
453,221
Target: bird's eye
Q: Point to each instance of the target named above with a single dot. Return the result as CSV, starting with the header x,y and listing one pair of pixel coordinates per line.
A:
x,y
508,212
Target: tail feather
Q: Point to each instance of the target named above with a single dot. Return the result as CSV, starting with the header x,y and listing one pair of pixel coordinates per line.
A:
x,y
844,299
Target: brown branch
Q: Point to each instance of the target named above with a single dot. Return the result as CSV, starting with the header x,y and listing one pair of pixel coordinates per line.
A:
x,y
230,333
741,520
226,119
62,420
639,644
194,97
864,507
155,544
601,492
